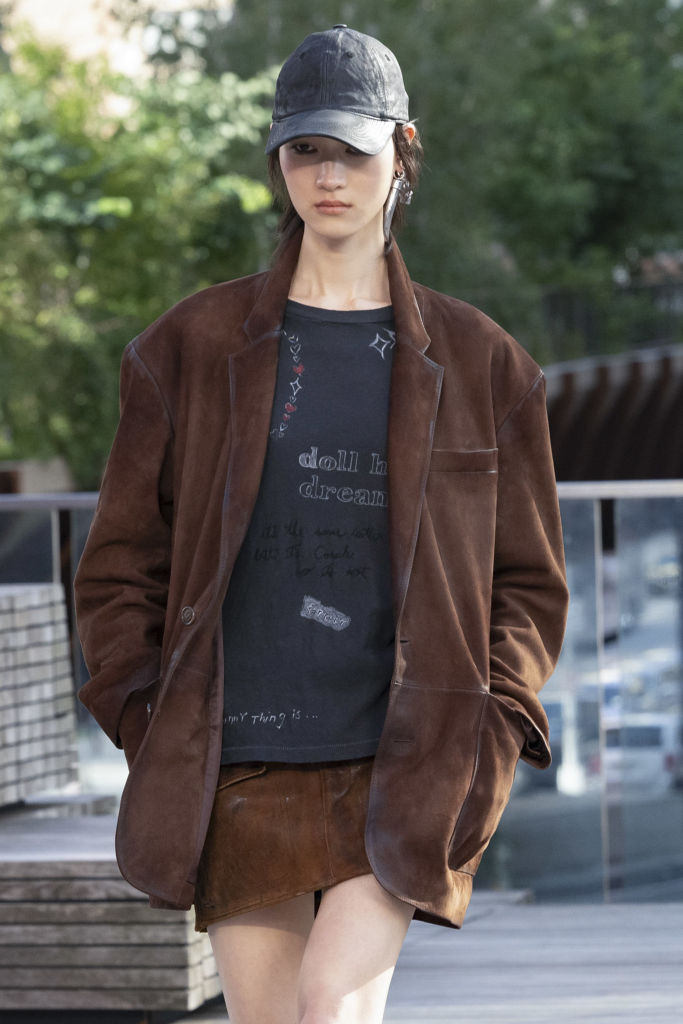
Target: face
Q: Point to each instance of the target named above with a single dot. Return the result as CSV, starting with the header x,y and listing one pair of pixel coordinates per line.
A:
x,y
337,191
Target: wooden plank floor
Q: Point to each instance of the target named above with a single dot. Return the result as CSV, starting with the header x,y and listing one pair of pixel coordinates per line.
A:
x,y
514,963
537,964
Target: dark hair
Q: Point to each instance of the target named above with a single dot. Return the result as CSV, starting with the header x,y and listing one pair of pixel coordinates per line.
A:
x,y
409,153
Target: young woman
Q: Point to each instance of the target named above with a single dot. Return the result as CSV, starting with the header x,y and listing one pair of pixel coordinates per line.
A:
x,y
324,582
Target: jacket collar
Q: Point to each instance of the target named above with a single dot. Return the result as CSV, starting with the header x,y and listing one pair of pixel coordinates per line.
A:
x,y
267,313
410,328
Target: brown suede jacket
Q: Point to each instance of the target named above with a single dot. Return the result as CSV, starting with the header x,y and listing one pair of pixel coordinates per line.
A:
x,y
477,568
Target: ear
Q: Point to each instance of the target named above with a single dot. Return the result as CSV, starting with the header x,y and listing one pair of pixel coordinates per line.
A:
x,y
409,131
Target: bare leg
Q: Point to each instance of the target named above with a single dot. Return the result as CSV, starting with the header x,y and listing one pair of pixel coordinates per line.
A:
x,y
351,954
259,956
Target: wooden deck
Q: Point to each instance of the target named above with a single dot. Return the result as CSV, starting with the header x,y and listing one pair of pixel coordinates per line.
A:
x,y
76,941
538,964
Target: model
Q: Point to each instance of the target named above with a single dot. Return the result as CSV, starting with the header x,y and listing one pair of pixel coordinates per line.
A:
x,y
324,582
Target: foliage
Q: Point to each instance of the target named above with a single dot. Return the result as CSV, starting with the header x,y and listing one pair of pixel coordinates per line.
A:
x,y
116,199
554,163
552,131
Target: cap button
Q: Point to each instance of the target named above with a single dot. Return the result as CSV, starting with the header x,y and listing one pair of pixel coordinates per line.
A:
x,y
340,26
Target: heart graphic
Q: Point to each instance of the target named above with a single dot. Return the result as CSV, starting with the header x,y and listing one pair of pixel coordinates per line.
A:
x,y
295,349
289,407
299,368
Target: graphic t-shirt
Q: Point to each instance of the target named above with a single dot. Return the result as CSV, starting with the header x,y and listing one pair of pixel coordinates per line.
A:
x,y
307,621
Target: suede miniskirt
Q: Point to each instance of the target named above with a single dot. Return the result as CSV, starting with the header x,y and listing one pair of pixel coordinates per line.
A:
x,y
280,830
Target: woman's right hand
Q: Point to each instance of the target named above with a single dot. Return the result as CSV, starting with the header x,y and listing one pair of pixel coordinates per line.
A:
x,y
135,719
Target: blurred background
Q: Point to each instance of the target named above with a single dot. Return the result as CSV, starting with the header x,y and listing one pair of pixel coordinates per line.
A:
x,y
132,174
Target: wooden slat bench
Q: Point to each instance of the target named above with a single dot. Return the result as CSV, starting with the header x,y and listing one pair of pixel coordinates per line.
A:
x,y
74,935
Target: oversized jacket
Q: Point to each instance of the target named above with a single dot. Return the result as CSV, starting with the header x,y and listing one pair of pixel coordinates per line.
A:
x,y
477,574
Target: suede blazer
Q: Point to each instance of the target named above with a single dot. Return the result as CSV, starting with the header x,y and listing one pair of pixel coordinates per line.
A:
x,y
477,569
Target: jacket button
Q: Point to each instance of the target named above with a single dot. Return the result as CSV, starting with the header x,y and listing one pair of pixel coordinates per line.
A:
x,y
188,615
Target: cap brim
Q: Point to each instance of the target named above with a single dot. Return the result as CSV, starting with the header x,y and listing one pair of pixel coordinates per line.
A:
x,y
367,134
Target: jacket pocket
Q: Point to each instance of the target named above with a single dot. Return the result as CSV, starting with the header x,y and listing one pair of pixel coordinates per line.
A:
x,y
456,460
136,717
499,742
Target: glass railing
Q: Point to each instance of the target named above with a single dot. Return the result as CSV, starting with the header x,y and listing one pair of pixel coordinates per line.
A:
x,y
606,820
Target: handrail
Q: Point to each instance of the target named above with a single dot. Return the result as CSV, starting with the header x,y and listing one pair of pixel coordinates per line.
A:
x,y
597,489
49,500
566,489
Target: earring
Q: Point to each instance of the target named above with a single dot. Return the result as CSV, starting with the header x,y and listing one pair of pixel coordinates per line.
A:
x,y
400,192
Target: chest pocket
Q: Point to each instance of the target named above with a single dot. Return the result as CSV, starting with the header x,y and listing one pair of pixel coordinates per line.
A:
x,y
456,460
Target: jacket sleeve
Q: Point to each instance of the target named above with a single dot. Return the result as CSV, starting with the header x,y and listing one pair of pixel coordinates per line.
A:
x,y
529,603
121,584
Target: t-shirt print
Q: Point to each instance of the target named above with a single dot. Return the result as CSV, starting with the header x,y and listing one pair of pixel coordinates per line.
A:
x,y
307,621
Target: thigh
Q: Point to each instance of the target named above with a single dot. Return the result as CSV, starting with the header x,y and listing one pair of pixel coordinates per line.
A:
x,y
259,955
351,953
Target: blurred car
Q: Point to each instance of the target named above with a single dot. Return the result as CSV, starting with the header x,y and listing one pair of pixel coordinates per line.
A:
x,y
644,752
664,575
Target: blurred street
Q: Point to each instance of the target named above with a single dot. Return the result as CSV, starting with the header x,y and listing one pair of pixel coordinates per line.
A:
x,y
551,842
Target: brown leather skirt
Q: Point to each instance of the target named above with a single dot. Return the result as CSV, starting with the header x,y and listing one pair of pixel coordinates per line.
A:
x,y
280,830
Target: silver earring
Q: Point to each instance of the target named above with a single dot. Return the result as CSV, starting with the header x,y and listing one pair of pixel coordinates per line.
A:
x,y
400,192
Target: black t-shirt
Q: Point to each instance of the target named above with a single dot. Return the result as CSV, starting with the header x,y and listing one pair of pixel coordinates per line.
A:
x,y
307,621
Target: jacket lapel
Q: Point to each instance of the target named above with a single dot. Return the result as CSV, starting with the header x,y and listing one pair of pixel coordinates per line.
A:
x,y
253,373
267,312
413,402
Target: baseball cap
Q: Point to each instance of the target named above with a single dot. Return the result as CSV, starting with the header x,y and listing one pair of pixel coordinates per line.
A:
x,y
342,84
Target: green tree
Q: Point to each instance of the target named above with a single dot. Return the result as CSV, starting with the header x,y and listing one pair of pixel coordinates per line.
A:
x,y
554,158
116,199
552,131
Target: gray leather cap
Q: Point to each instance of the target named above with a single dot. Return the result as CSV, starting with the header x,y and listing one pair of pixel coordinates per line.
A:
x,y
341,84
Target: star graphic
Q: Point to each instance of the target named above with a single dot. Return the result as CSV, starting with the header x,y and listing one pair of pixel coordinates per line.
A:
x,y
381,344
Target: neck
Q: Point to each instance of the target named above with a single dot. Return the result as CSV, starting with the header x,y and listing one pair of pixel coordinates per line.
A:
x,y
341,274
